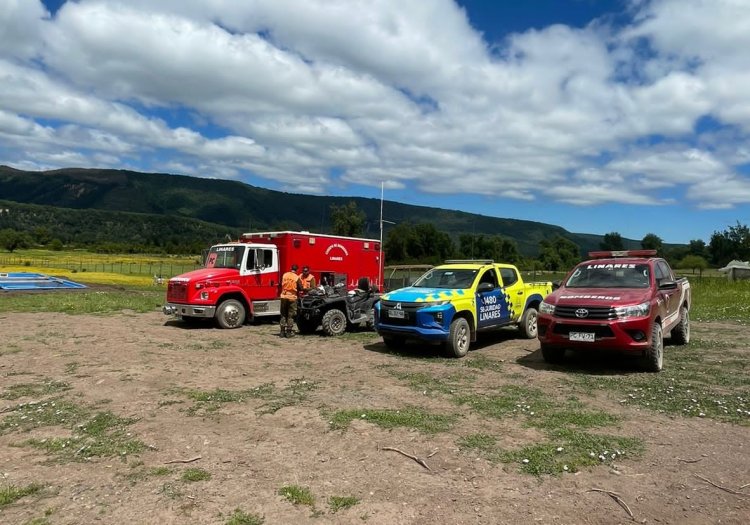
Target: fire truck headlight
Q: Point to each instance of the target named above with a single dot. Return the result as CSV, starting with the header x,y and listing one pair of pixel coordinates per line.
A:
x,y
198,286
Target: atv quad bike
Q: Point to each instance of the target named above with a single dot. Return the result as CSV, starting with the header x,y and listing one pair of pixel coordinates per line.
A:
x,y
336,310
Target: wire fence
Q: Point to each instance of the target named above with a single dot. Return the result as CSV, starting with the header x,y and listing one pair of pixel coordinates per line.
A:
x,y
156,269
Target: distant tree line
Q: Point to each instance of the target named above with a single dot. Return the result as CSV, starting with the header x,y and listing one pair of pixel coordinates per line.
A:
x,y
25,226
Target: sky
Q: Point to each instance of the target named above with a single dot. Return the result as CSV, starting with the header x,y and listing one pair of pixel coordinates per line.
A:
x,y
627,116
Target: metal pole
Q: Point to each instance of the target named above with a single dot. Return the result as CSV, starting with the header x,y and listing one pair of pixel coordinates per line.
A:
x,y
380,261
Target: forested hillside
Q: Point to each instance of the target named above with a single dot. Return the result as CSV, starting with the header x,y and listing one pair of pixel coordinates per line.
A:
x,y
163,203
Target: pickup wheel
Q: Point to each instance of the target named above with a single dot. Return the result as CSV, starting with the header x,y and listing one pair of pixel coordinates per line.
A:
x,y
653,360
394,342
553,354
334,322
459,338
230,314
681,332
527,326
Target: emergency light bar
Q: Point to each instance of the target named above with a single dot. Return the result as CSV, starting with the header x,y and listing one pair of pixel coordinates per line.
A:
x,y
622,253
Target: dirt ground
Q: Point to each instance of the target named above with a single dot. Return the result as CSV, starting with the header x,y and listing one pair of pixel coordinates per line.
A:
x,y
140,366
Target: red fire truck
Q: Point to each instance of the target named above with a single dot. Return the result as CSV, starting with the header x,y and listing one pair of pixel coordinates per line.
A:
x,y
241,280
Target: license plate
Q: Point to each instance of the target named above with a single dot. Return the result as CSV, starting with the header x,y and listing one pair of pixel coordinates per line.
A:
x,y
588,337
396,314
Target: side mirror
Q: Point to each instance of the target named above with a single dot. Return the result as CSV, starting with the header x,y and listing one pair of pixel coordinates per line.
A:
x,y
666,284
485,287
556,285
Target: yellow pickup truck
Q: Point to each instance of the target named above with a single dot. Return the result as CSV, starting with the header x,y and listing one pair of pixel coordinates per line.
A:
x,y
453,302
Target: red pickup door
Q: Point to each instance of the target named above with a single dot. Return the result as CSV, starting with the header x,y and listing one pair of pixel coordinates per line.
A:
x,y
623,301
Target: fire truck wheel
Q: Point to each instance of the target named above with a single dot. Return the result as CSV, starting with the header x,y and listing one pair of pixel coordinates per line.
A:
x,y
653,360
459,338
681,332
527,326
334,322
230,314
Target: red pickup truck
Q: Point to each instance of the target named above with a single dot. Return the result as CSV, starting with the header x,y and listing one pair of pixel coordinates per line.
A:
x,y
619,300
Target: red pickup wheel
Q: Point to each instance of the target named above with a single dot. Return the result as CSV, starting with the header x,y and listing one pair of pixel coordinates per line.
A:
x,y
653,360
681,332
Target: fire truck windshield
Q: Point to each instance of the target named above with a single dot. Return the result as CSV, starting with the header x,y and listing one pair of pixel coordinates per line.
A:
x,y
225,257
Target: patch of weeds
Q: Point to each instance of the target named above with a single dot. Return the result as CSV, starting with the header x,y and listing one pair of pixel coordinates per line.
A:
x,y
571,450
28,416
293,394
38,521
568,417
512,400
71,368
44,388
141,474
195,474
691,385
103,435
217,344
10,349
10,493
410,417
240,517
337,503
170,490
297,495
482,362
168,402
86,302
427,383
360,336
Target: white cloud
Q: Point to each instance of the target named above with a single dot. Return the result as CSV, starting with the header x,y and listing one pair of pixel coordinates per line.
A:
x,y
333,92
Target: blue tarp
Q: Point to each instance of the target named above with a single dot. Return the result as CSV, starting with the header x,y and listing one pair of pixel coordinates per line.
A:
x,y
34,281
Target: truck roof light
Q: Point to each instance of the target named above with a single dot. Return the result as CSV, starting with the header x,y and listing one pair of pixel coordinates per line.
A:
x,y
622,253
469,261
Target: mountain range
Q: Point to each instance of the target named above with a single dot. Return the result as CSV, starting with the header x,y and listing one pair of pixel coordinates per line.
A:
x,y
223,205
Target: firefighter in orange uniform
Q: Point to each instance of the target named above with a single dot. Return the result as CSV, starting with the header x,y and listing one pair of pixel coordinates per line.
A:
x,y
290,288
307,279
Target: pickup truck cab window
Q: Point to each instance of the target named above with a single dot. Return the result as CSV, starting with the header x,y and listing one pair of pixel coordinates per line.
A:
x,y
509,276
449,279
610,276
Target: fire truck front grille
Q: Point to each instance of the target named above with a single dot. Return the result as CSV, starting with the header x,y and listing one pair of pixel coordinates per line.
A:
x,y
586,312
177,292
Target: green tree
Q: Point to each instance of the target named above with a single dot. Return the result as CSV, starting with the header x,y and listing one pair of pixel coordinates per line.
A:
x,y
693,262
423,243
652,242
558,254
11,240
348,219
493,247
612,241
732,243
698,247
